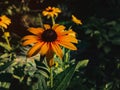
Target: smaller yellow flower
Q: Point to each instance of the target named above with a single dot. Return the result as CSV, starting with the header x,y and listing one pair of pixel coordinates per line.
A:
x,y
75,20
51,12
4,21
6,34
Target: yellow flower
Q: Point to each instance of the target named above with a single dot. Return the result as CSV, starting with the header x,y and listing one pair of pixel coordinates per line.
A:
x,y
6,34
51,12
48,40
4,21
75,20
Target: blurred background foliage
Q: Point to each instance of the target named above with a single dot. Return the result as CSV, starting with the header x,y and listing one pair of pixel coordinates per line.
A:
x,y
99,42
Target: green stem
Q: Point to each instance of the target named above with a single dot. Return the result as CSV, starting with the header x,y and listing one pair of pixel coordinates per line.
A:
x,y
41,22
53,20
2,29
6,38
51,77
7,41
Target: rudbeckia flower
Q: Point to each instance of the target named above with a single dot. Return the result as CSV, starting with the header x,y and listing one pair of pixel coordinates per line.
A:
x,y
51,12
4,21
75,20
48,40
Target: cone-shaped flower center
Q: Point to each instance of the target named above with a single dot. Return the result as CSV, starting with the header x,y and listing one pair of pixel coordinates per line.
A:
x,y
49,35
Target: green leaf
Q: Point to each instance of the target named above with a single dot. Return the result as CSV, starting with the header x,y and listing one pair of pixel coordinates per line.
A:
x,y
41,84
43,69
5,66
116,41
5,55
82,64
62,80
4,45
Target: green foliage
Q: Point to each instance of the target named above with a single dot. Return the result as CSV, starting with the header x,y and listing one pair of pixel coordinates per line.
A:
x,y
62,80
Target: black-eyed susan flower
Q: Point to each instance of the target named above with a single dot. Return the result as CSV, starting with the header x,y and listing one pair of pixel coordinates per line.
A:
x,y
48,40
76,20
51,12
4,21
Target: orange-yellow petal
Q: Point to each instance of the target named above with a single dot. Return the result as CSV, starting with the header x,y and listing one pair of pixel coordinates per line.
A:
x,y
67,32
68,38
44,48
3,25
47,26
29,37
56,48
67,45
59,28
75,20
28,42
36,31
54,26
35,49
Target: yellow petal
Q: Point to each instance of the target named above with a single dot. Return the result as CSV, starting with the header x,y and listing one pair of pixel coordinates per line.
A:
x,y
75,20
72,33
28,42
68,38
35,49
54,26
67,45
47,26
44,48
3,25
45,13
60,28
29,37
36,31
56,48
66,32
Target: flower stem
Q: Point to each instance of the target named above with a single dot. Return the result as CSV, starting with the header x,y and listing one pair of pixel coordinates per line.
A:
x,y
2,29
6,39
53,20
40,18
51,78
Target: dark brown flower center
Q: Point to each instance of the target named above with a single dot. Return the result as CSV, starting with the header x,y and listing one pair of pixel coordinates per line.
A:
x,y
50,10
49,35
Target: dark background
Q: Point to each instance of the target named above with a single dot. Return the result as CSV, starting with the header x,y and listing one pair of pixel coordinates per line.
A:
x,y
85,8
